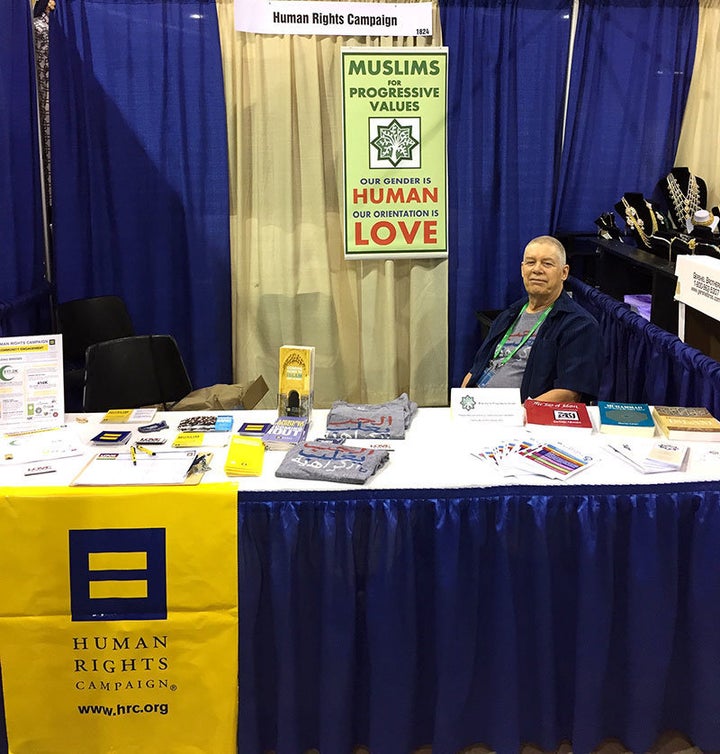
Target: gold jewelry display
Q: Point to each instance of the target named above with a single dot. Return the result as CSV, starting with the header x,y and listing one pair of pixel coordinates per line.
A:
x,y
685,205
635,221
707,222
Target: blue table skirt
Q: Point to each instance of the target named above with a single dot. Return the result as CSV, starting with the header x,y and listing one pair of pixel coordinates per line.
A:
x,y
498,616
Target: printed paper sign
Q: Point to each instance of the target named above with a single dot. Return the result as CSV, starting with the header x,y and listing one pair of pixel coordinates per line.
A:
x,y
31,382
350,19
395,152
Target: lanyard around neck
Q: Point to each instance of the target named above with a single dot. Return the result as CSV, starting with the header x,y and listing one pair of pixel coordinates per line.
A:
x,y
527,335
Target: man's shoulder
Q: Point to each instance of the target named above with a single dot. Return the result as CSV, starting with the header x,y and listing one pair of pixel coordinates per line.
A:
x,y
565,303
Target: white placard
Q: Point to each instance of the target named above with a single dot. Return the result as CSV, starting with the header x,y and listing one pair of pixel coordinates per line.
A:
x,y
350,19
491,405
31,382
698,283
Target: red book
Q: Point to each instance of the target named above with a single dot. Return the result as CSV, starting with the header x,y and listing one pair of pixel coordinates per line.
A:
x,y
557,415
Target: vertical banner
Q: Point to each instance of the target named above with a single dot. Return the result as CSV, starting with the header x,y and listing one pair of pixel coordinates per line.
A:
x,y
395,151
118,619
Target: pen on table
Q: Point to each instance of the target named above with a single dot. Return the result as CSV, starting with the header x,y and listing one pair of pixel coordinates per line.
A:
x,y
144,449
132,455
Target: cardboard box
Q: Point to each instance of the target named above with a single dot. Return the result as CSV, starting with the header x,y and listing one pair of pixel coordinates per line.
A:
x,y
224,397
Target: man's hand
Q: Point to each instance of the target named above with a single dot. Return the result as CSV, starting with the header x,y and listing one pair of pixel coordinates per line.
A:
x,y
559,395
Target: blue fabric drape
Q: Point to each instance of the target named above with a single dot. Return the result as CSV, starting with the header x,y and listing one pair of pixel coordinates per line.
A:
x,y
631,71
495,616
644,363
140,171
24,293
506,87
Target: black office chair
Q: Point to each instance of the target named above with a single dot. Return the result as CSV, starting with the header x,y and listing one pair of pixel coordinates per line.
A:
x,y
142,370
82,322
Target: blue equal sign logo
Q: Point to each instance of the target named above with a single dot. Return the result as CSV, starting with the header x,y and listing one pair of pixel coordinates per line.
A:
x,y
118,574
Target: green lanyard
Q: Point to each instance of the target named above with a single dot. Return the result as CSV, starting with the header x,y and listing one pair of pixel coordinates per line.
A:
x,y
510,329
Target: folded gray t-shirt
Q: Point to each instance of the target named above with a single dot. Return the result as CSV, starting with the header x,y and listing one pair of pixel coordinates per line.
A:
x,y
382,421
329,462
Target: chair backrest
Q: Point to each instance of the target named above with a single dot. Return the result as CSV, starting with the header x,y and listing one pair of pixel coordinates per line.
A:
x,y
85,321
141,370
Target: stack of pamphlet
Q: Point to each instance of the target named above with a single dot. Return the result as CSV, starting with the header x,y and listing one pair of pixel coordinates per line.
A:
x,y
253,429
528,456
211,430
650,457
39,445
111,437
129,415
296,380
245,456
207,423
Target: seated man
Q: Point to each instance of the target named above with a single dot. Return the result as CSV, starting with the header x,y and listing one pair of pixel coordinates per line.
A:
x,y
547,345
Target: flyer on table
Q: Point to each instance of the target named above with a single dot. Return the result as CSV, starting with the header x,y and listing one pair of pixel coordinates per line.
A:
x,y
395,152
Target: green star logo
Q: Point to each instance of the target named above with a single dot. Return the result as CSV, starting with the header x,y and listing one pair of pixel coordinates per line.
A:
x,y
394,142
467,402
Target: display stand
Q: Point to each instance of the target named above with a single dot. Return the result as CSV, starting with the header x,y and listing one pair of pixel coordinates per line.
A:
x,y
623,269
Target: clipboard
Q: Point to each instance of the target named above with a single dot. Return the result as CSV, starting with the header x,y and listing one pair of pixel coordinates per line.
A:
x,y
117,469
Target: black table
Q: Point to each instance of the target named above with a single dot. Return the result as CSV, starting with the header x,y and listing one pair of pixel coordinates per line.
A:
x,y
624,269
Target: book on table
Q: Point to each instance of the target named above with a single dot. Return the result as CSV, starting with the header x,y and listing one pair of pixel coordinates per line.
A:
x,y
626,419
558,416
286,432
687,423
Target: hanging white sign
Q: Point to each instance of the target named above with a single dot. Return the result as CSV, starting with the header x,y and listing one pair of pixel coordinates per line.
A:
x,y
334,18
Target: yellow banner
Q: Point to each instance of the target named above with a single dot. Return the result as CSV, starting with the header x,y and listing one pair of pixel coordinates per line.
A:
x,y
118,619
395,151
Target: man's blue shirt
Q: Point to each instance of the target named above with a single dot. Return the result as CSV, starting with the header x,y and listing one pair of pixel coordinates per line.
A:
x,y
567,353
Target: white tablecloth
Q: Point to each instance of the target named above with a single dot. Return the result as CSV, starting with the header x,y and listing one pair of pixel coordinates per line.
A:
x,y
437,453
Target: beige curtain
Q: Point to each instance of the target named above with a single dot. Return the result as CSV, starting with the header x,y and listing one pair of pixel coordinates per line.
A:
x,y
699,146
379,327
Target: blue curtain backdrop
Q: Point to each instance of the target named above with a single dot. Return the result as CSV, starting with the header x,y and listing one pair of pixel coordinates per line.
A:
x,y
507,71
631,71
24,302
140,174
